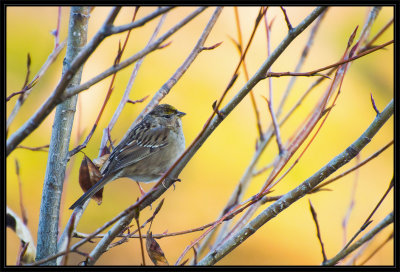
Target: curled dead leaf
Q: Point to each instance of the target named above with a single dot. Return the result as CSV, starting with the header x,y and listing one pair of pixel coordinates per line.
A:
x,y
89,175
154,250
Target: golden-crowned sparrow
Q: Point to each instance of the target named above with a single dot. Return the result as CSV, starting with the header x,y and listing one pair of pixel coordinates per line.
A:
x,y
147,152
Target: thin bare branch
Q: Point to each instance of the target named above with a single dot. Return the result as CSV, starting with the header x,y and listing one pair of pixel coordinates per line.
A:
x,y
40,148
314,215
141,22
351,204
316,71
108,95
373,105
270,100
125,96
371,234
55,98
140,239
285,201
390,237
246,73
301,61
148,198
369,44
376,154
368,220
244,181
21,199
289,25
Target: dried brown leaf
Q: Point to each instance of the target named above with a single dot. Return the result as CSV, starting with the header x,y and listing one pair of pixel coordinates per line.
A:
x,y
89,175
154,250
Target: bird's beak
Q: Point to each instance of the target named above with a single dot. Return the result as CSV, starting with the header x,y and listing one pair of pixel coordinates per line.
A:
x,y
180,114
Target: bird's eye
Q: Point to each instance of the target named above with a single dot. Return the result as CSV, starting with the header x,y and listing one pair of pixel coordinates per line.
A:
x,y
167,116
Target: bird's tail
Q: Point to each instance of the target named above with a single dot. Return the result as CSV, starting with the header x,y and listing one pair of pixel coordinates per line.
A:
x,y
94,189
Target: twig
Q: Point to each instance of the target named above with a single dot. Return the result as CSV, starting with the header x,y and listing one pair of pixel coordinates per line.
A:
x,y
64,240
301,136
108,95
301,61
211,47
56,32
301,190
141,22
137,101
246,73
374,106
270,100
241,94
140,238
371,234
134,58
292,147
287,19
303,97
314,215
216,106
153,194
368,221
125,239
316,71
351,204
369,44
39,148
125,96
390,237
21,199
28,72
60,138
70,231
55,98
317,188
262,170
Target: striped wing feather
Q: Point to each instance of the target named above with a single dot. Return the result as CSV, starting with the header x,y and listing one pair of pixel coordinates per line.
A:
x,y
141,144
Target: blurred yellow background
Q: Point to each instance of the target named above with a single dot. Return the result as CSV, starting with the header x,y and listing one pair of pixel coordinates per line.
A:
x,y
212,174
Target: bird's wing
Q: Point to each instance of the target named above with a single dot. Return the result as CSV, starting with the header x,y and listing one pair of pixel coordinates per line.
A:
x,y
139,145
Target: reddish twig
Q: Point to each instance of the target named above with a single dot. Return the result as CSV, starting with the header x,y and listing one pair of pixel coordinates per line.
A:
x,y
296,142
315,72
211,47
239,45
369,44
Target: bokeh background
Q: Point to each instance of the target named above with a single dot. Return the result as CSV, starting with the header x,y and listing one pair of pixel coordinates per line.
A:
x,y
212,174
